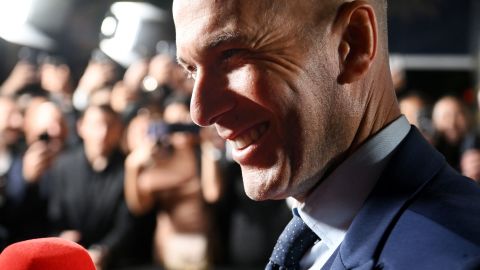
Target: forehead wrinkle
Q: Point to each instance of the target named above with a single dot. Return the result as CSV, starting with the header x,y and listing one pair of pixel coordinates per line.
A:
x,y
211,44
214,35
223,38
233,22
215,41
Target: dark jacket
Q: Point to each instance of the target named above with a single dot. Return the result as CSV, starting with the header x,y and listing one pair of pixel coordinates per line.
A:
x,y
421,215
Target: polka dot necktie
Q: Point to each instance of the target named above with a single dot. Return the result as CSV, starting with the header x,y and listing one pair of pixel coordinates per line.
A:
x,y
292,244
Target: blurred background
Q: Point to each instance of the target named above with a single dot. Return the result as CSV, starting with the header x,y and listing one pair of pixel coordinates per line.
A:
x,y
97,146
437,44
71,28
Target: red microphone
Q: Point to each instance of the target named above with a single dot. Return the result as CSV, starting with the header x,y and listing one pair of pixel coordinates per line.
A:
x,y
45,254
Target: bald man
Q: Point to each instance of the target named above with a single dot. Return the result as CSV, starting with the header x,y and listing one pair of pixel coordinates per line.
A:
x,y
302,90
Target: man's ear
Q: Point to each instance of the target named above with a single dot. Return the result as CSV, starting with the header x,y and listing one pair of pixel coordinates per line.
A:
x,y
357,25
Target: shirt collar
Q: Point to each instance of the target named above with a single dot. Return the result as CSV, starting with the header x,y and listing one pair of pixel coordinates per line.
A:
x,y
331,207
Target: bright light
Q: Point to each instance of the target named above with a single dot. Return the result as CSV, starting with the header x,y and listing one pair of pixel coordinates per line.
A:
x,y
127,31
120,46
14,13
122,30
149,83
15,24
109,25
133,9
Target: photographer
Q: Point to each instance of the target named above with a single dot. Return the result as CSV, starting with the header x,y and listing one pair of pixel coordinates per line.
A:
x,y
28,182
10,137
162,173
46,74
39,71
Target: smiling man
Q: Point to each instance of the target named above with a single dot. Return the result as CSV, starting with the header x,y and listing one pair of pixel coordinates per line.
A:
x,y
302,90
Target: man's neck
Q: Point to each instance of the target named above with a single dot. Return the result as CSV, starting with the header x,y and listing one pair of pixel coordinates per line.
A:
x,y
380,110
366,132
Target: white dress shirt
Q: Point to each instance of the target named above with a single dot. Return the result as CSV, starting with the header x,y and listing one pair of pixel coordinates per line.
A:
x,y
331,207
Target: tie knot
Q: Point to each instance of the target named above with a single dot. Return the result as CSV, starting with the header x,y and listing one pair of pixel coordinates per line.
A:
x,y
292,244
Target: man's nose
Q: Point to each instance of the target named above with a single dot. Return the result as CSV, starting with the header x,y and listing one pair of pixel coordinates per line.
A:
x,y
211,97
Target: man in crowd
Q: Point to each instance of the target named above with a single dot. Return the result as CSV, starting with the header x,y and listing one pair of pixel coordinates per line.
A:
x,y
452,124
302,89
86,204
10,135
27,182
417,110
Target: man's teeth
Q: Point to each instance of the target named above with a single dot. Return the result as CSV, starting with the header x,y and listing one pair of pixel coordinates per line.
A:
x,y
249,137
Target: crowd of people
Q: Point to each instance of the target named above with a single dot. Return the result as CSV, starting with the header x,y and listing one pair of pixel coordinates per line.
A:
x,y
113,161
449,125
116,164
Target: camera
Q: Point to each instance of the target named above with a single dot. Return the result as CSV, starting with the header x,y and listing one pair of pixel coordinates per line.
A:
x,y
44,137
161,131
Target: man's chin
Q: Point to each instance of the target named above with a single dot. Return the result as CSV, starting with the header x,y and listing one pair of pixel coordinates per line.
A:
x,y
256,194
261,185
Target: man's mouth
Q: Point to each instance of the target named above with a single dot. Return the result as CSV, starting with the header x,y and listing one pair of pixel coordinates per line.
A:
x,y
250,136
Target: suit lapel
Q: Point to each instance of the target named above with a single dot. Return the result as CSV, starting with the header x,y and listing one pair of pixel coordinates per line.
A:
x,y
412,165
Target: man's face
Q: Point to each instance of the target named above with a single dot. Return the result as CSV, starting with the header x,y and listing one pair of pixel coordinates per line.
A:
x,y
100,131
411,108
450,119
269,86
45,118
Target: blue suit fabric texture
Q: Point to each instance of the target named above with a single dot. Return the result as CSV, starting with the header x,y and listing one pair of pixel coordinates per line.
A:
x,y
421,215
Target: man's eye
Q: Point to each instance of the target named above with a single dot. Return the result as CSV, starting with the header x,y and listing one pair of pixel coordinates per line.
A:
x,y
191,72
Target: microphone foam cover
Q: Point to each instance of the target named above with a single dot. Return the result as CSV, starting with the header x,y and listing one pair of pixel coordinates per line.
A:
x,y
45,254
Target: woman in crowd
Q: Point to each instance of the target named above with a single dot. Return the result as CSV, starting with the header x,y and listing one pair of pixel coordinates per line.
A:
x,y
162,173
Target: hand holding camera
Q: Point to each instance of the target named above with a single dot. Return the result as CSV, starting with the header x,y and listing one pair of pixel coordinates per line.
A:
x,y
39,157
160,132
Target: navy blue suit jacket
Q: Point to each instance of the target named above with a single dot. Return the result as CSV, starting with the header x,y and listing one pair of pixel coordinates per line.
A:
x,y
421,215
